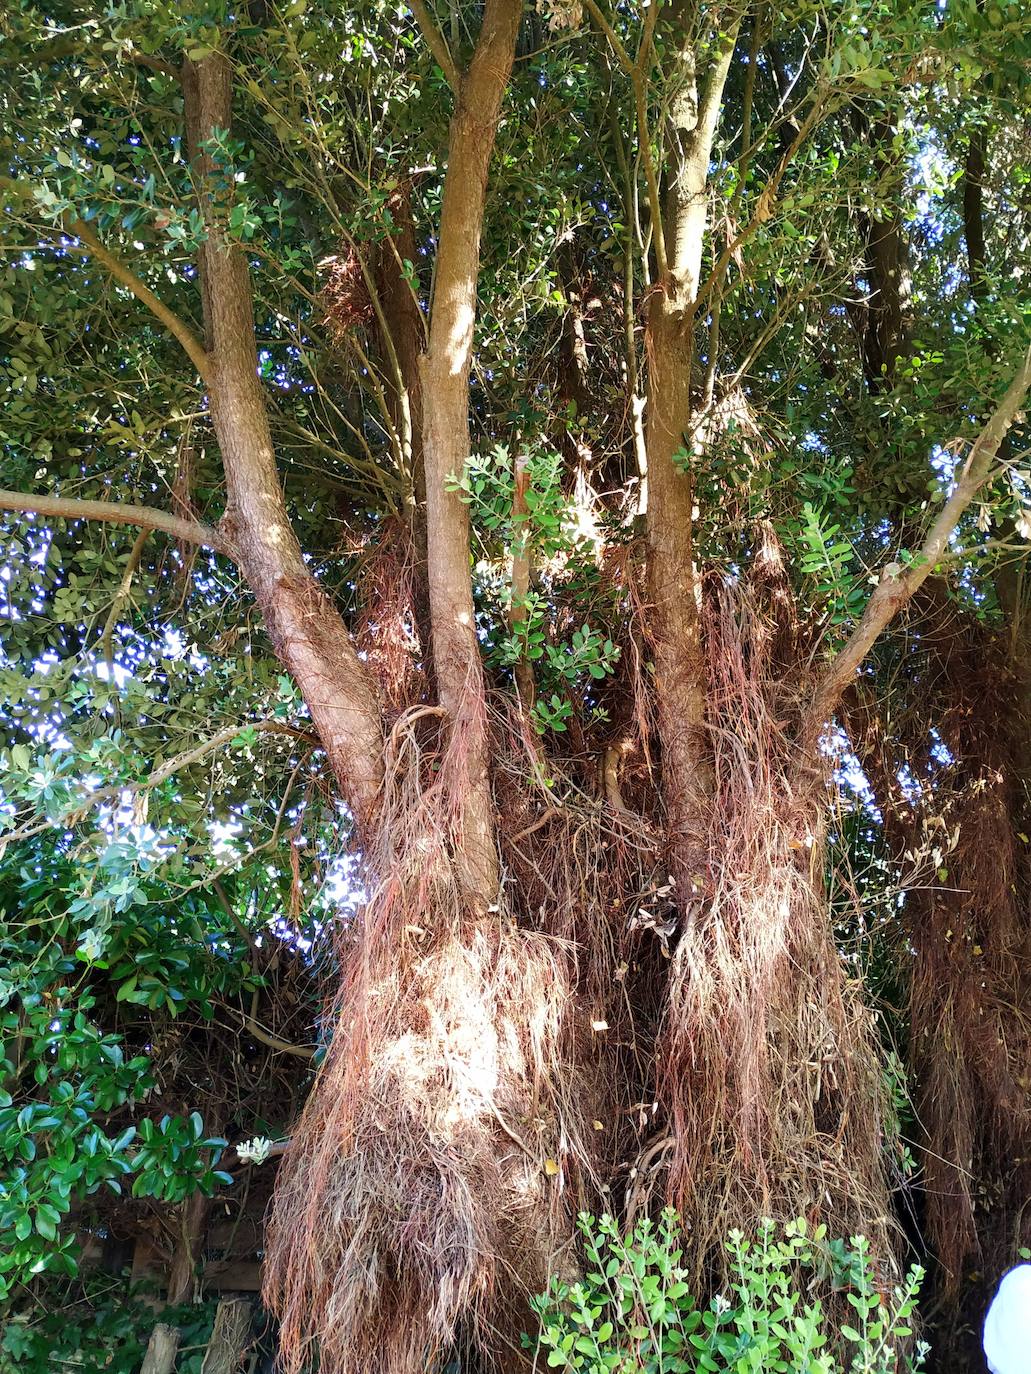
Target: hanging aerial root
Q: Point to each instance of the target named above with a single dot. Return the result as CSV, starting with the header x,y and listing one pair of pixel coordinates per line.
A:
x,y
433,1175
970,1026
768,1068
387,629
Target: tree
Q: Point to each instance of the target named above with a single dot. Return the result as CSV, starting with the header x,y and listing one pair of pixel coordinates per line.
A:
x,y
491,381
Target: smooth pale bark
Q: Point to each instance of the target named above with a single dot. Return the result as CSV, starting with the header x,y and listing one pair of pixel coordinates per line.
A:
x,y
307,632
674,592
445,386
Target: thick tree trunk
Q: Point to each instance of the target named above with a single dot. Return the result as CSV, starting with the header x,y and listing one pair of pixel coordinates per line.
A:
x,y
308,635
445,377
675,596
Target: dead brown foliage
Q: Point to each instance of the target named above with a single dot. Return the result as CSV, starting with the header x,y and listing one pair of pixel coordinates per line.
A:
x,y
387,628
345,293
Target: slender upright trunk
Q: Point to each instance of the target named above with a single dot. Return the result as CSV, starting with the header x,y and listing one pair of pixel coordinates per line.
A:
x,y
163,1346
445,377
674,589
403,330
521,570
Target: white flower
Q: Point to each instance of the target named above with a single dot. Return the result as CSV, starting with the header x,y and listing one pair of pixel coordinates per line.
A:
x,y
254,1151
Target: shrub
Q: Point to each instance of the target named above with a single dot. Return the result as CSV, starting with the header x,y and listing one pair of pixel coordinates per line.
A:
x,y
95,1323
633,1309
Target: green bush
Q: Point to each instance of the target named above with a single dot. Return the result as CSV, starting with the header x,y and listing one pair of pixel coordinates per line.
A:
x,y
633,1309
95,1323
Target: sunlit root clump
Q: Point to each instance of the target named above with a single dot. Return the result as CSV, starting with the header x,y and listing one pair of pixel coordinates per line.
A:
x,y
431,1181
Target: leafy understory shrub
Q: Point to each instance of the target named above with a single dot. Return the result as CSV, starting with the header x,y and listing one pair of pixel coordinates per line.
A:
x,y
95,1324
633,1310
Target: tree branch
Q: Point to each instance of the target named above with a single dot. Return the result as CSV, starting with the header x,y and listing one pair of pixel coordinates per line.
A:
x,y
259,1033
637,71
118,790
121,597
304,625
437,44
142,292
115,513
154,64
898,584
765,205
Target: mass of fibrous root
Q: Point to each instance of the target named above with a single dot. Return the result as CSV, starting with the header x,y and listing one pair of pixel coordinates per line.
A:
x,y
970,996
432,1179
768,1066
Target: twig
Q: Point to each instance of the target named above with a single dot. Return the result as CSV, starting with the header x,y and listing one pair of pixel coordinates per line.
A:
x,y
122,596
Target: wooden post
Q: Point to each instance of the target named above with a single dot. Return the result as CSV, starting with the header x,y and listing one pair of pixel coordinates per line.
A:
x,y
229,1337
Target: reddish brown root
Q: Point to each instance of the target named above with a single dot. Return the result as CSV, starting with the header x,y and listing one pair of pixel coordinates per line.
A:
x,y
769,1067
432,1177
970,1027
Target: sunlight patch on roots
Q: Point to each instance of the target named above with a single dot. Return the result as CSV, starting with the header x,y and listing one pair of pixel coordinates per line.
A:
x,y
432,1176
